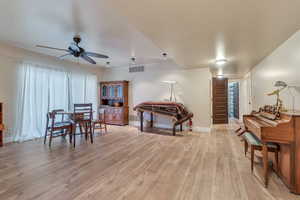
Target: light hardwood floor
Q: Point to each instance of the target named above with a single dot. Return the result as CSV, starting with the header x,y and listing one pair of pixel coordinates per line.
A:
x,y
126,164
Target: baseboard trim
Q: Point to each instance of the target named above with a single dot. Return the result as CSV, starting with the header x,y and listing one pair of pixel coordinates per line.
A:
x,y
8,139
167,126
201,129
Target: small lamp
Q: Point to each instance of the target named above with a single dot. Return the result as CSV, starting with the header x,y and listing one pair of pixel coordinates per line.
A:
x,y
172,83
280,84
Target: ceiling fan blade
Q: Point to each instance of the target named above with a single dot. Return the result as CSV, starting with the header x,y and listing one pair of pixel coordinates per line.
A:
x,y
96,55
62,56
87,58
47,47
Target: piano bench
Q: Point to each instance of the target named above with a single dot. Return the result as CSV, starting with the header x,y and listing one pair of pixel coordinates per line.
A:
x,y
255,144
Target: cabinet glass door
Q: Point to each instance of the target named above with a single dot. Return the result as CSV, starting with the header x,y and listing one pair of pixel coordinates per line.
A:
x,y
115,91
104,91
119,91
111,91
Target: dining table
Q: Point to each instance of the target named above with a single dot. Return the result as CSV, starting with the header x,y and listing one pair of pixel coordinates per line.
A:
x,y
77,118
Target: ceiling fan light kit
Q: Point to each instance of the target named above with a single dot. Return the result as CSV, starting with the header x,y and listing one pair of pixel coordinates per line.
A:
x,y
78,52
133,60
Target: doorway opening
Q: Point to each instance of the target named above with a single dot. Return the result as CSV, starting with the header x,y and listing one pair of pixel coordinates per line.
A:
x,y
233,100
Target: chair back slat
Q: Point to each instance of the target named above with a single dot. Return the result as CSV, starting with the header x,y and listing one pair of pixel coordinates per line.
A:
x,y
83,111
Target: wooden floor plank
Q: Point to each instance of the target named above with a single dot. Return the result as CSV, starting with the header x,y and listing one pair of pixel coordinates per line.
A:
x,y
127,164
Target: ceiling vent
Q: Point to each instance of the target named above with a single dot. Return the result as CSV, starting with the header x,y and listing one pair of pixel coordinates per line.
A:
x,y
135,69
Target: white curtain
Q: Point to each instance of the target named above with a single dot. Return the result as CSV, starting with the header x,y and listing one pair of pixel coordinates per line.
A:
x,y
91,94
84,89
42,89
58,90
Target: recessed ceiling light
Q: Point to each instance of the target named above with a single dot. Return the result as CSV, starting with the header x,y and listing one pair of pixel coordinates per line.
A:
x,y
221,61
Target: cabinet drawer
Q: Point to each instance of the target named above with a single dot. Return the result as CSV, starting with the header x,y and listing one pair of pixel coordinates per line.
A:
x,y
115,115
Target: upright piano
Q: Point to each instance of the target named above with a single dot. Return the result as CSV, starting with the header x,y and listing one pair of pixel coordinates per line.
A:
x,y
282,128
176,111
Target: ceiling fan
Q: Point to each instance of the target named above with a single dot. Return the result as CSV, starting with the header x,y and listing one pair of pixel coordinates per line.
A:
x,y
75,50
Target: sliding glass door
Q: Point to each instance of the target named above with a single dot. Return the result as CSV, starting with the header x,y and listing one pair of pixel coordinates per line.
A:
x,y
42,89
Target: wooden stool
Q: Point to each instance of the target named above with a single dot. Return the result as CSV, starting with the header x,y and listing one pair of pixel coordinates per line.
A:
x,y
255,144
100,123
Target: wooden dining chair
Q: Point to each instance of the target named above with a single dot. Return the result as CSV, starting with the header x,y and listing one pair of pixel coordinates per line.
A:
x,y
100,123
83,116
57,127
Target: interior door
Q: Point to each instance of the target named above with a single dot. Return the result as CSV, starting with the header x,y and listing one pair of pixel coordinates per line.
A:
x,y
220,100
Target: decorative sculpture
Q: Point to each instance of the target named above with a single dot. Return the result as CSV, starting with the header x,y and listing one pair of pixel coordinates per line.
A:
x,y
279,103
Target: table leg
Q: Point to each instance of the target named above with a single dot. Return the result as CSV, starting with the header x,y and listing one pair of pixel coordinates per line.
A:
x,y
174,130
191,124
91,132
74,134
142,120
151,120
265,163
70,132
86,130
1,139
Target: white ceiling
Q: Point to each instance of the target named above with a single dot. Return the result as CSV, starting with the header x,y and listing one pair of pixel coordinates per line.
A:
x,y
193,32
196,32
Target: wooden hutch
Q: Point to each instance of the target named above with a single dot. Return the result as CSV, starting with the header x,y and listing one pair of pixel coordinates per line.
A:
x,y
114,99
1,125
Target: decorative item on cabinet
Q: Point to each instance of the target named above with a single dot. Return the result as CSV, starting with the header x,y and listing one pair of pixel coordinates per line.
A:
x,y
1,125
114,99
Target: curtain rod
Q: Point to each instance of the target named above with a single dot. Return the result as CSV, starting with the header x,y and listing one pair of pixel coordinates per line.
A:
x,y
49,66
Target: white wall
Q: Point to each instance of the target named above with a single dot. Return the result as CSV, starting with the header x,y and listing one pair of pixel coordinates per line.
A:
x,y
245,95
10,57
284,65
192,89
